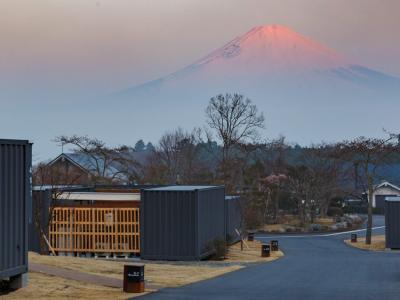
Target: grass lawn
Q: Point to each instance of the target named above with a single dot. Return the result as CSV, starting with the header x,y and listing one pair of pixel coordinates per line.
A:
x,y
251,254
46,287
377,243
160,274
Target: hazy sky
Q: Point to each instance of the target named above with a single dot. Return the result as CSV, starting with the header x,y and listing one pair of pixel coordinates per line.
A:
x,y
55,53
93,47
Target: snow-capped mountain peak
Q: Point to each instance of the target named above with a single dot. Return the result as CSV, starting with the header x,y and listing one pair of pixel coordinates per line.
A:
x,y
275,48
272,57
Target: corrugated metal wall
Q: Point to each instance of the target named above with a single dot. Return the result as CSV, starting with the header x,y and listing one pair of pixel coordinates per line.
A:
x,y
233,217
15,195
178,225
211,219
392,222
168,222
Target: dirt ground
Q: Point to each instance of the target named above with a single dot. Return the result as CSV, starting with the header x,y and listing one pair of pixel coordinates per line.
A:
x,y
377,243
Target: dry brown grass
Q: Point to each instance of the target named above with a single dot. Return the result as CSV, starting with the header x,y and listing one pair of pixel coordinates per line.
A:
x,y
275,227
160,274
290,221
46,287
377,243
325,221
251,254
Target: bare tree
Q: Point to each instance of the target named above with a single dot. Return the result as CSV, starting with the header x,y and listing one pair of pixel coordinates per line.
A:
x,y
368,155
273,185
106,165
301,182
327,172
176,159
45,198
236,122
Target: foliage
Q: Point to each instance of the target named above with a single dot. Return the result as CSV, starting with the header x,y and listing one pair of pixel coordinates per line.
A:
x,y
334,211
140,146
220,248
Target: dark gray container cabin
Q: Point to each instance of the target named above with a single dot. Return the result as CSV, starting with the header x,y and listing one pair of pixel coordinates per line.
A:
x,y
392,222
15,205
181,222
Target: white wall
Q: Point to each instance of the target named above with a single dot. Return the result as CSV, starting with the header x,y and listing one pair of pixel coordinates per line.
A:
x,y
384,191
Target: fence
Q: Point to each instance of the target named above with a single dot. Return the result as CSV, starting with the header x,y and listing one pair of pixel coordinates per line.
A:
x,y
96,230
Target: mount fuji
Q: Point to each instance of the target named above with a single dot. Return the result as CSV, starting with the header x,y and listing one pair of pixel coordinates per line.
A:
x,y
307,91
270,59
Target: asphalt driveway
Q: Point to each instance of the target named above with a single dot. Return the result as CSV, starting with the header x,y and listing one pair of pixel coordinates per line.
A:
x,y
314,267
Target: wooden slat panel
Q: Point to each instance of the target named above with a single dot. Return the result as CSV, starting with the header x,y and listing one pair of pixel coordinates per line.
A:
x,y
83,229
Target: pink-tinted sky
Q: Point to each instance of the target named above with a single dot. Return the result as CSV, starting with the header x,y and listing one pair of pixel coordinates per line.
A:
x,y
95,47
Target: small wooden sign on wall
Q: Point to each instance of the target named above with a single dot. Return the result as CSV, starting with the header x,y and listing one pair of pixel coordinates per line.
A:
x,y
109,218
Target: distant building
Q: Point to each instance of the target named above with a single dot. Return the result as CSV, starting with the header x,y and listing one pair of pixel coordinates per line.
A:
x,y
383,190
84,169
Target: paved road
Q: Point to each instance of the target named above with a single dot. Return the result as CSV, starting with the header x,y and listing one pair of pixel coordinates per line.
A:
x,y
314,267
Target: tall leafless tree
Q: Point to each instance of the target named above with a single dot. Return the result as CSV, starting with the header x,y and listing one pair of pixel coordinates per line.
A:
x,y
235,119
176,159
236,122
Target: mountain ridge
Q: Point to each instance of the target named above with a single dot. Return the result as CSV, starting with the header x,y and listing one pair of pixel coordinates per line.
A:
x,y
270,53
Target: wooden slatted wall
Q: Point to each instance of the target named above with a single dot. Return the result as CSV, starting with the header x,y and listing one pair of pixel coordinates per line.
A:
x,y
111,230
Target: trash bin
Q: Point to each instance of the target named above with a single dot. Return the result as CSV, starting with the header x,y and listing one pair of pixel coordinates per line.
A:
x,y
250,236
134,278
265,250
274,245
354,238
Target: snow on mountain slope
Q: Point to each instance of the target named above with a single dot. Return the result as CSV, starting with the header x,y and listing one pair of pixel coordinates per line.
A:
x,y
270,58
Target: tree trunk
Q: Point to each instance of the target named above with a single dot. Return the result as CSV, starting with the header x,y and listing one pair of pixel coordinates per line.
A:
x,y
266,204
276,202
301,213
368,235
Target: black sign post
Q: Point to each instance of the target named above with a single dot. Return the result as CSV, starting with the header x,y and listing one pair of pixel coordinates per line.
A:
x,y
274,245
354,238
265,250
134,278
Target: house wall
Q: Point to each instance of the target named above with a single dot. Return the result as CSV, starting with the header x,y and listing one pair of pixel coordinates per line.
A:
x,y
63,172
383,191
42,200
111,204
